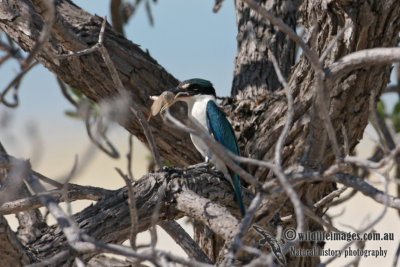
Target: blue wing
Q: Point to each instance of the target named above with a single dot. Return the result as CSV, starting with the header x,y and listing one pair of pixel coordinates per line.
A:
x,y
222,130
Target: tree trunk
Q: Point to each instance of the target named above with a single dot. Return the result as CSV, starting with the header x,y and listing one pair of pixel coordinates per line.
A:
x,y
254,74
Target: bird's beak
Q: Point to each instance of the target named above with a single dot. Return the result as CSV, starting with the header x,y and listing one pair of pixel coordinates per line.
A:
x,y
179,93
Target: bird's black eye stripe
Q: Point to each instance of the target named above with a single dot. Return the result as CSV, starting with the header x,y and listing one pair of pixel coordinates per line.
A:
x,y
194,87
198,89
197,86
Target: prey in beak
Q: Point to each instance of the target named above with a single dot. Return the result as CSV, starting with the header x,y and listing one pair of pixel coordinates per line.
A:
x,y
161,102
165,100
169,97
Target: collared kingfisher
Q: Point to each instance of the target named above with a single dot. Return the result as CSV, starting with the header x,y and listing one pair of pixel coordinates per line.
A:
x,y
200,96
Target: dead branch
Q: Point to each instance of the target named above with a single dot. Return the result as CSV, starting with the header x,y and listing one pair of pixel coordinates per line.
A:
x,y
186,242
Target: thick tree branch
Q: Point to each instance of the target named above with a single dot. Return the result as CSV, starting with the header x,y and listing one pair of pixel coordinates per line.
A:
x,y
111,214
213,215
362,59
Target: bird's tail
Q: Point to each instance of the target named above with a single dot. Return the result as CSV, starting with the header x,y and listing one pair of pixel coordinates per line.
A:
x,y
238,192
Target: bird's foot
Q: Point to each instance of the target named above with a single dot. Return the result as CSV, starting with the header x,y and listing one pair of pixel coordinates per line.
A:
x,y
205,164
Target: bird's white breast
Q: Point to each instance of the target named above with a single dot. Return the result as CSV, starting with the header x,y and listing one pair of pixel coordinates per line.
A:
x,y
197,107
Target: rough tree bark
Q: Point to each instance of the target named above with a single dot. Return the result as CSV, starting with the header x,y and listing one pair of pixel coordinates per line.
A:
x,y
349,96
257,114
254,74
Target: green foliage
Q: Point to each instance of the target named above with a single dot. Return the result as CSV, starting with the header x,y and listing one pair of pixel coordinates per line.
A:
x,y
164,161
71,113
167,163
396,117
77,97
380,108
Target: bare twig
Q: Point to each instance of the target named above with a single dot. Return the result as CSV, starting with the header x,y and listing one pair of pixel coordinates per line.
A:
x,y
75,192
294,198
384,180
11,50
396,256
155,216
116,16
345,141
129,157
149,136
34,202
343,199
217,5
370,225
332,43
310,213
383,128
366,189
67,225
134,106
65,92
290,112
15,85
111,150
81,52
79,262
320,121
328,198
57,258
339,177
393,88
132,208
149,14
371,164
65,186
48,12
5,58
244,226
143,255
